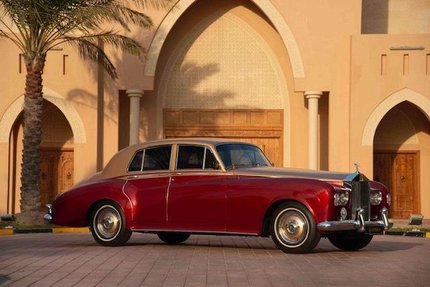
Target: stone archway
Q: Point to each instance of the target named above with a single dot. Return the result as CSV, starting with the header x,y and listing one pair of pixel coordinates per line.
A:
x,y
11,146
399,133
266,7
404,95
63,105
222,69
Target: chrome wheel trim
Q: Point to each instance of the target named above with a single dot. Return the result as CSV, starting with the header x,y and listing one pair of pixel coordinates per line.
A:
x,y
291,227
107,223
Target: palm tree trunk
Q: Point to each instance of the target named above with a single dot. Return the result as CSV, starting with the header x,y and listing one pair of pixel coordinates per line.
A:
x,y
30,171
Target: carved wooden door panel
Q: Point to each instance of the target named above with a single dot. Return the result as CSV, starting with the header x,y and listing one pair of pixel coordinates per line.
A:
x,y
47,177
56,174
399,172
65,171
405,199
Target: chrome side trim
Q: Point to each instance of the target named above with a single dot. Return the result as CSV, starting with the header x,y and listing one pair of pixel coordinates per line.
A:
x,y
129,200
167,198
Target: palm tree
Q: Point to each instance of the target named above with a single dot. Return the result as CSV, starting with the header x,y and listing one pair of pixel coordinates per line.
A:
x,y
38,26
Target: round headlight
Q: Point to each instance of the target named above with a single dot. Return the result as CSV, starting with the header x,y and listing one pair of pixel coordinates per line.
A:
x,y
341,198
375,197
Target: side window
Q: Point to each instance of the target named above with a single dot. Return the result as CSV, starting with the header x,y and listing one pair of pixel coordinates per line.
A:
x,y
190,157
157,158
210,160
136,163
196,157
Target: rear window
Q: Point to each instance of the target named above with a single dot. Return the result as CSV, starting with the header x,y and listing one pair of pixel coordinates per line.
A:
x,y
156,158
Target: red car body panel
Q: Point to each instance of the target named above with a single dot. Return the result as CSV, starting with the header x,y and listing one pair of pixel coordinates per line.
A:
x,y
249,199
197,202
148,199
220,202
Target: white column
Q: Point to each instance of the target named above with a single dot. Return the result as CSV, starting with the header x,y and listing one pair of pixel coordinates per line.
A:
x,y
313,97
134,95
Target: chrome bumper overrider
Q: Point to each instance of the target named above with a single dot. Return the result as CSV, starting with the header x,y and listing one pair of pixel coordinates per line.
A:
x,y
359,225
48,217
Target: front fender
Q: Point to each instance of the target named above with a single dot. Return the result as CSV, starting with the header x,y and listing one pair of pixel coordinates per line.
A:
x,y
315,195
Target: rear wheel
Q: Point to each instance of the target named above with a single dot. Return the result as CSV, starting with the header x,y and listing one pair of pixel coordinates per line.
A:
x,y
293,228
107,224
350,241
173,237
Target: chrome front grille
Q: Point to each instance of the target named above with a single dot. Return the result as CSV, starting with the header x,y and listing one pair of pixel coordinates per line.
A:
x,y
359,199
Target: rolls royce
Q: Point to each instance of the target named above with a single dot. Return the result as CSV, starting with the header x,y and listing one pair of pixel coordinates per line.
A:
x,y
178,187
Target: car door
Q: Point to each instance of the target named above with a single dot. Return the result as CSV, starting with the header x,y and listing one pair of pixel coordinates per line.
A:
x,y
196,196
148,181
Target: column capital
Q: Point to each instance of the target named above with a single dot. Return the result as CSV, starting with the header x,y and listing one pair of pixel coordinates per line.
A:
x,y
313,94
134,93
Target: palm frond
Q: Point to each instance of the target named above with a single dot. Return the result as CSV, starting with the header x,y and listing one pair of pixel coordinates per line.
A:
x,y
113,39
41,25
92,51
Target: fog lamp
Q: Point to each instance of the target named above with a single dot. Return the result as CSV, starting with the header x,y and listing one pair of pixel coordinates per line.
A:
x,y
343,213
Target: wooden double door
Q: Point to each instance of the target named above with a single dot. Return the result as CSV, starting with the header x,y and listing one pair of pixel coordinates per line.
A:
x,y
399,171
56,173
265,128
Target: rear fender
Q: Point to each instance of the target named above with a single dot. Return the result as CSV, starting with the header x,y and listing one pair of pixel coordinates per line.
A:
x,y
74,208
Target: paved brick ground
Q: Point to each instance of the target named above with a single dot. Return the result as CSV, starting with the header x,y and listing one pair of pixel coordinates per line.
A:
x,y
75,260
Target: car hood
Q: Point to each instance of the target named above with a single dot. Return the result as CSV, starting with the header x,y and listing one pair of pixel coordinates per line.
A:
x,y
300,173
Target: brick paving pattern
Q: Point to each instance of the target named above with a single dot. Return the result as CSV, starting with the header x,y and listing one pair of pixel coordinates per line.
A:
x,y
76,260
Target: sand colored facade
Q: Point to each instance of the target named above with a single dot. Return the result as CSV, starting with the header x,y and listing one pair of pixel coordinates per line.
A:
x,y
316,84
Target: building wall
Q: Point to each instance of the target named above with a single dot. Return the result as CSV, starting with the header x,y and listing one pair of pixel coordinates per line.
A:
x,y
282,49
395,17
382,77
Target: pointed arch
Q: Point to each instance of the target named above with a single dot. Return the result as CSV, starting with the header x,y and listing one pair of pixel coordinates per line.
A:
x,y
72,116
265,6
404,95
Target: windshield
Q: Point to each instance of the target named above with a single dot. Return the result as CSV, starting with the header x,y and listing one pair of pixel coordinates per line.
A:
x,y
241,156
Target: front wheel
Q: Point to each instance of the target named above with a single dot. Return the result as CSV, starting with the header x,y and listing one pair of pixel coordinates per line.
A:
x,y
173,237
350,241
107,224
293,228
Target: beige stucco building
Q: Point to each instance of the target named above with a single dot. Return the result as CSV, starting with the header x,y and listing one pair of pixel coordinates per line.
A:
x,y
319,84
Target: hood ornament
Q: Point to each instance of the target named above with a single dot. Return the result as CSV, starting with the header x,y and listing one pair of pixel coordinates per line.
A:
x,y
357,166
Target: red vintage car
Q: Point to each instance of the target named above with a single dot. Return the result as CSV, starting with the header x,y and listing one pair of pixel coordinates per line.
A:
x,y
178,187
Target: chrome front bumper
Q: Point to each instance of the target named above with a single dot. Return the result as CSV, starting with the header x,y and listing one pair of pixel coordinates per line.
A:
x,y
48,217
359,225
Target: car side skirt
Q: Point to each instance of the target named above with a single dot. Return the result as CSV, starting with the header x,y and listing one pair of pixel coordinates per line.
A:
x,y
195,232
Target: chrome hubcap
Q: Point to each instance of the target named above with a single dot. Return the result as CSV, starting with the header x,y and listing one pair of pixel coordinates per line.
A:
x,y
107,222
292,227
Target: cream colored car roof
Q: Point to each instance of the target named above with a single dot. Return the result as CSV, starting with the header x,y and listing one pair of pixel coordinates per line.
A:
x,y
118,165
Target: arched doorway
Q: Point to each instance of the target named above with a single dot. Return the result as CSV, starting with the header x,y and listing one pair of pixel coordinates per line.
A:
x,y
56,156
401,152
225,74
